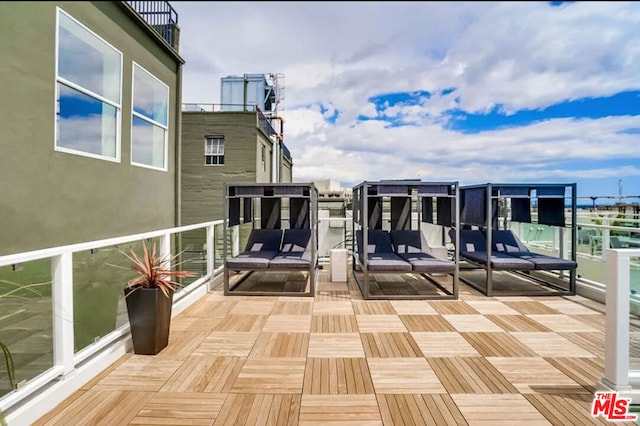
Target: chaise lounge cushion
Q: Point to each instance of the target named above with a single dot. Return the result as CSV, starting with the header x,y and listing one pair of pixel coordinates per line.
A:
x,y
380,255
262,246
505,241
412,247
296,250
473,246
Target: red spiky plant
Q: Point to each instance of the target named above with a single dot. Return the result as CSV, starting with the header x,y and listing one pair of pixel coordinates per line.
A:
x,y
156,271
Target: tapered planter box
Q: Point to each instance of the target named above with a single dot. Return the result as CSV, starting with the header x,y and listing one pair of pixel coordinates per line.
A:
x,y
149,313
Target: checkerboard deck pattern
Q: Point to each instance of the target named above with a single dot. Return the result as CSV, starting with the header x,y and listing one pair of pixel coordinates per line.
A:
x,y
339,359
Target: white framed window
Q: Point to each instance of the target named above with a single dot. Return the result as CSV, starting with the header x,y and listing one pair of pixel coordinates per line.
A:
x,y
88,91
149,120
214,150
264,158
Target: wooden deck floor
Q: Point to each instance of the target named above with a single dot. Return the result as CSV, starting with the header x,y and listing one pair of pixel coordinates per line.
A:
x,y
338,359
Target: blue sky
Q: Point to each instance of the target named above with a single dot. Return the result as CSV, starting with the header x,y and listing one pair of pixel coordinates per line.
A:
x,y
489,92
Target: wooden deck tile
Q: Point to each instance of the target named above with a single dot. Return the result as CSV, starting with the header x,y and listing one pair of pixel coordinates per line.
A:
x,y
433,409
532,374
271,375
441,345
205,373
141,373
498,410
288,323
454,307
569,307
194,323
561,323
99,407
347,410
472,323
390,345
337,376
180,408
334,324
497,344
235,322
551,345
256,409
596,321
182,344
227,343
530,307
412,307
335,345
208,308
488,307
380,323
333,308
517,323
296,306
373,307
332,296
592,342
404,376
284,345
585,371
264,306
470,375
426,323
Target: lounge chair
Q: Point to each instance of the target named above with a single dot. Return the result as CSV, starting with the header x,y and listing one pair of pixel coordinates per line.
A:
x,y
380,253
295,252
505,241
263,245
473,247
411,246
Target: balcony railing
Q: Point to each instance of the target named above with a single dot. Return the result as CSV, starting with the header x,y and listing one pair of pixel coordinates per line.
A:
x,y
160,15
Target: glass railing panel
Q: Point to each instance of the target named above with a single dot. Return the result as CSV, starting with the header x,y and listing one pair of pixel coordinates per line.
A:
x,y
190,249
26,321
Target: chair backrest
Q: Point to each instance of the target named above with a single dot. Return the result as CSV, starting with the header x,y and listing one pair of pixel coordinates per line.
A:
x,y
614,242
264,240
379,241
296,240
506,241
471,240
409,241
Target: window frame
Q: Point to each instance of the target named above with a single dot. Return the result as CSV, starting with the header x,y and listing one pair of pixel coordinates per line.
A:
x,y
135,114
206,139
61,80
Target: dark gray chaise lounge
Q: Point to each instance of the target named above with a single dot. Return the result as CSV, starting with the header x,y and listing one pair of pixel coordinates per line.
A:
x,y
473,247
295,252
412,247
380,254
263,245
505,241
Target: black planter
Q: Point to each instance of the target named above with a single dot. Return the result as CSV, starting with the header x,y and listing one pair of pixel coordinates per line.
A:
x,y
149,317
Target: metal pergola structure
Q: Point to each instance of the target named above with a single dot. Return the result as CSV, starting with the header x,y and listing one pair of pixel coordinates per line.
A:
x,y
481,205
434,202
241,203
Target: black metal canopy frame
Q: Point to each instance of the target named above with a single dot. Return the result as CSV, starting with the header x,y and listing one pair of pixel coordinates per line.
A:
x,y
376,250
273,245
482,222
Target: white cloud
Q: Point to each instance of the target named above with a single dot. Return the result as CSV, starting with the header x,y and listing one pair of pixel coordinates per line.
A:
x,y
517,55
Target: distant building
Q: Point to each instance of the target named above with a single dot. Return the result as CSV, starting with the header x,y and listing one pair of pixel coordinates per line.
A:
x,y
329,188
90,113
232,142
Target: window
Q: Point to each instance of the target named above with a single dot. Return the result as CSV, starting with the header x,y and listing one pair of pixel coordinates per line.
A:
x,y
150,120
264,158
88,92
214,151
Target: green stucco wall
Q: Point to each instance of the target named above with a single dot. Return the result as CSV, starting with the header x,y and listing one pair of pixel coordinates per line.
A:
x,y
50,198
202,185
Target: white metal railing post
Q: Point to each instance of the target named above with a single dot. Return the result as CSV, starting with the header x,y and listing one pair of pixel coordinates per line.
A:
x,y
211,244
165,246
605,237
62,310
616,358
235,240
